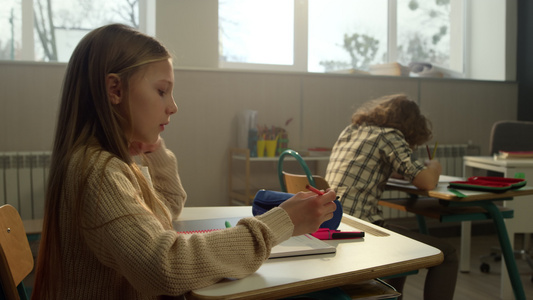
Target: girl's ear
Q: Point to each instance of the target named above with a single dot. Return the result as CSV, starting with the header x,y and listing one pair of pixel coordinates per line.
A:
x,y
114,88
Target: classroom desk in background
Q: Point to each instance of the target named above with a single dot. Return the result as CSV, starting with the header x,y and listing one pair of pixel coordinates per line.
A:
x,y
523,206
380,253
470,199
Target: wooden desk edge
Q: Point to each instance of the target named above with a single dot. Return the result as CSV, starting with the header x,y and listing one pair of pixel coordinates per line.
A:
x,y
302,287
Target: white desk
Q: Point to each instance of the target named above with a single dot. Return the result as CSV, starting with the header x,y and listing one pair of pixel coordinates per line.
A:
x,y
522,206
380,253
468,199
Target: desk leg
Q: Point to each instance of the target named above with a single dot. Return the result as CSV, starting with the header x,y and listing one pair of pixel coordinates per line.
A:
x,y
422,226
466,234
507,250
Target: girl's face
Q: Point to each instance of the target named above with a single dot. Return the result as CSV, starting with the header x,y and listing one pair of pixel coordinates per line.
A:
x,y
151,101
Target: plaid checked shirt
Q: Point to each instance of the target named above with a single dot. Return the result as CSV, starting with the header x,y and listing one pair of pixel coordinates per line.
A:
x,y
362,160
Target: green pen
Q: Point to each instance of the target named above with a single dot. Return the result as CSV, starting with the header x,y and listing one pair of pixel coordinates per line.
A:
x,y
228,225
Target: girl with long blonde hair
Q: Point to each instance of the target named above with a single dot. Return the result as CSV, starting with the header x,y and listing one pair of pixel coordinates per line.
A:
x,y
114,187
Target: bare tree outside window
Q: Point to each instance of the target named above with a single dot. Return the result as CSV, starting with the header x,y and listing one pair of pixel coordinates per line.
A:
x,y
10,35
362,50
69,21
423,31
59,25
45,29
343,35
423,36
129,12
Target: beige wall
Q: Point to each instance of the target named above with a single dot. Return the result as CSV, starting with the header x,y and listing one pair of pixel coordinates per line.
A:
x,y
209,101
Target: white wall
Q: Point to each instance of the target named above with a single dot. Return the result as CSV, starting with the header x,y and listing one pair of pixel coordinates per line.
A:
x,y
209,101
190,30
491,40
204,128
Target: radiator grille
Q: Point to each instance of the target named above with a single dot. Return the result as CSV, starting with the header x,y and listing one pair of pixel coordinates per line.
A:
x,y
451,158
23,177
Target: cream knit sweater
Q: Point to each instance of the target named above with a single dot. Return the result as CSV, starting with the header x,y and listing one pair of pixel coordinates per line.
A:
x,y
122,251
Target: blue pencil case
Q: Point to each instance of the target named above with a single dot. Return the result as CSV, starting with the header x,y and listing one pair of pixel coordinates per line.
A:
x,y
265,200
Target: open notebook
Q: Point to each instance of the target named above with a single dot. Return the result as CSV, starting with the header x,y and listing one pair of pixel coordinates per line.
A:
x,y
295,246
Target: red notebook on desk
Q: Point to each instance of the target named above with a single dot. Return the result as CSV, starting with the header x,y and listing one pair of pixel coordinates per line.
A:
x,y
489,183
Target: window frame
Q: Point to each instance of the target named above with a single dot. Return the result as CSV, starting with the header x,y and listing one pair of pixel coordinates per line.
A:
x,y
457,53
300,46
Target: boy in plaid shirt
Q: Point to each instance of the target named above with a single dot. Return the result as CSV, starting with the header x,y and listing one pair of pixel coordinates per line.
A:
x,y
376,146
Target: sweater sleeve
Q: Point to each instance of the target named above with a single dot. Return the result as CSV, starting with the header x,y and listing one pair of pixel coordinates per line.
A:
x,y
127,238
163,167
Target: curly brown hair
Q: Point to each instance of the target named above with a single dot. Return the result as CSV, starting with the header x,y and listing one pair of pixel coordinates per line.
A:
x,y
399,112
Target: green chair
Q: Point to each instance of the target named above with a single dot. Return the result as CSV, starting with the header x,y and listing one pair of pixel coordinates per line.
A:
x,y
293,183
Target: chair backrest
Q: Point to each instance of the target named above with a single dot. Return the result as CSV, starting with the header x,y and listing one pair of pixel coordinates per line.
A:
x,y
16,259
511,136
295,183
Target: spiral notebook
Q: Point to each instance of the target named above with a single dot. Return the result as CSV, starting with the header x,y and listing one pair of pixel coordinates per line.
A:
x,y
295,246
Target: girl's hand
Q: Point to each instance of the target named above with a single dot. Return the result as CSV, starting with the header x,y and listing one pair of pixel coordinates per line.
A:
x,y
308,210
137,148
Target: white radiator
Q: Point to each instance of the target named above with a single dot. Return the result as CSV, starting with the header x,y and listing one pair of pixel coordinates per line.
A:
x,y
23,177
451,159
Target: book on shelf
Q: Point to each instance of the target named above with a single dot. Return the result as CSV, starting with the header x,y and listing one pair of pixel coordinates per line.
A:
x,y
514,154
389,69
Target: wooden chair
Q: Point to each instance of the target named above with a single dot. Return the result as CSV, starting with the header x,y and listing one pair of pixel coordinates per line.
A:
x,y
294,183
16,259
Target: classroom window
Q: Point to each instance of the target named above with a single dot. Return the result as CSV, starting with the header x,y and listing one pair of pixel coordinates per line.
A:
x,y
49,30
10,35
258,32
342,34
423,32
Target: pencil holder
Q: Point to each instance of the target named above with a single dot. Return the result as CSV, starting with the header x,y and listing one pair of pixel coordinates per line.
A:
x,y
260,148
270,146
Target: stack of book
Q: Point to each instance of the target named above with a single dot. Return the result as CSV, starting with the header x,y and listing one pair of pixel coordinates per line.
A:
x,y
514,154
390,69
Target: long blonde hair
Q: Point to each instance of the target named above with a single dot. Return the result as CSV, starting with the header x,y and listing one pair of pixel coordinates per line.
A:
x,y
87,121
